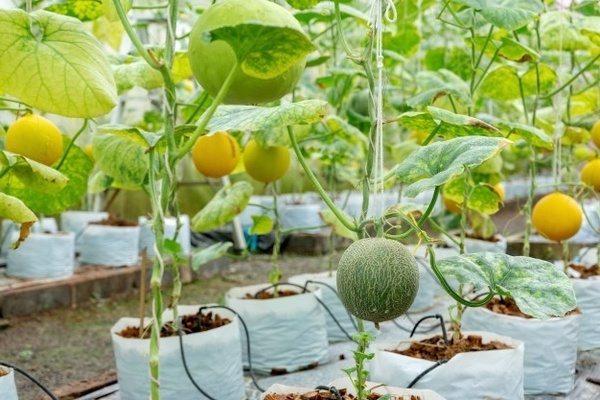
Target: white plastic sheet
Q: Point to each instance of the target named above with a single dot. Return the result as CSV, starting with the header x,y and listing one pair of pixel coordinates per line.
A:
x,y
8,389
170,226
587,292
301,218
42,255
494,374
286,332
114,246
550,346
213,358
345,383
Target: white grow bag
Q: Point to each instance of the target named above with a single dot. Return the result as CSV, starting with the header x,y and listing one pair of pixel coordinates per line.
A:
x,y
42,255
286,333
587,292
8,388
9,228
333,303
550,346
114,246
77,221
170,226
301,218
494,374
213,357
344,383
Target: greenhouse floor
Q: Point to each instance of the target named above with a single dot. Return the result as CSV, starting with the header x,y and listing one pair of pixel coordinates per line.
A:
x,y
587,385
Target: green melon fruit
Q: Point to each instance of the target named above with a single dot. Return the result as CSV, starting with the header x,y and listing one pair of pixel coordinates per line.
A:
x,y
211,62
377,279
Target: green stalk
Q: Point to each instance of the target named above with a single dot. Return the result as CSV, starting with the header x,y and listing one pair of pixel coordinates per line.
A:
x,y
275,275
71,143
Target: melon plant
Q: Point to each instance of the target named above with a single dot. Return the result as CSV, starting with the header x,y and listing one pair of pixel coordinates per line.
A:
x,y
377,279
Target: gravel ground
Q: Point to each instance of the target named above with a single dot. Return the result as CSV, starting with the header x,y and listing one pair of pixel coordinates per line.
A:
x,y
61,347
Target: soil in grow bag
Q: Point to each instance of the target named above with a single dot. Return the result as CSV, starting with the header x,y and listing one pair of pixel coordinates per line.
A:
x,y
114,221
327,395
264,295
434,348
189,323
507,306
584,271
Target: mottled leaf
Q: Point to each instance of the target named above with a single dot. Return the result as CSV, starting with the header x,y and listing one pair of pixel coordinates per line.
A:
x,y
134,71
559,30
25,172
99,182
15,210
405,41
302,4
210,253
483,198
223,207
435,85
501,84
539,288
506,14
439,162
532,135
74,172
253,118
120,158
265,51
84,10
547,79
52,63
145,139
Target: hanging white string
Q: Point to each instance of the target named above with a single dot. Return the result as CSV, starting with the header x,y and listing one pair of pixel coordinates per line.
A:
x,y
558,126
376,21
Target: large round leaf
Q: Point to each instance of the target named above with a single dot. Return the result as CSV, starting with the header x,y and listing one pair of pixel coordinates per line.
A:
x,y
227,203
52,63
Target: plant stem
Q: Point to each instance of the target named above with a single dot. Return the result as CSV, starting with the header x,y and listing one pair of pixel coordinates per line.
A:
x,y
573,78
275,275
71,143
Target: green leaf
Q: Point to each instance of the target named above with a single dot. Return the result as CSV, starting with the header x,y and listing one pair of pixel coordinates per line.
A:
x,y
52,63
265,52
559,30
302,4
134,71
253,118
517,52
405,41
506,14
144,139
15,210
501,84
223,207
99,182
261,225
591,29
334,223
74,173
83,10
325,11
437,84
209,254
110,12
547,79
539,288
532,135
27,173
451,158
122,159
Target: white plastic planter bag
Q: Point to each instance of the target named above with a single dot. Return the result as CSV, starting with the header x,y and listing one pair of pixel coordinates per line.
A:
x,y
213,357
333,303
9,228
550,346
8,388
113,246
42,255
344,383
286,333
77,221
494,374
170,226
587,292
301,218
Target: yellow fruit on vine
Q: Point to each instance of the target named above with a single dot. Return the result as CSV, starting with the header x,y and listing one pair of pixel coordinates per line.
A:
x,y
216,155
596,134
90,152
557,216
35,137
590,173
265,164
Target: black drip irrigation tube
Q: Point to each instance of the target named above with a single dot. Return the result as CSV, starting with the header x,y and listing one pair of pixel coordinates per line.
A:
x,y
438,363
249,352
31,378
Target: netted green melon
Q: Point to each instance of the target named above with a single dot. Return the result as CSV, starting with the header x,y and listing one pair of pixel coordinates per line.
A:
x,y
377,279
